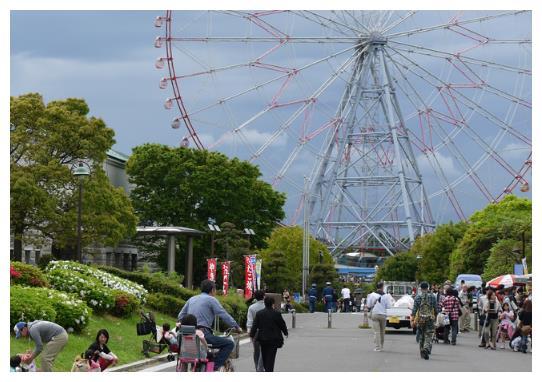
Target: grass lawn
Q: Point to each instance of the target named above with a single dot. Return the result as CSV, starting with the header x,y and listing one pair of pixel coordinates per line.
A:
x,y
123,340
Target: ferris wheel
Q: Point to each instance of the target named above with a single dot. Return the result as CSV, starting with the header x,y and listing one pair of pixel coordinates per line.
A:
x,y
377,124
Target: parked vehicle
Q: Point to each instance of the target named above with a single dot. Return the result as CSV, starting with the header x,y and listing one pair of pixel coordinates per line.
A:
x,y
399,316
470,280
398,289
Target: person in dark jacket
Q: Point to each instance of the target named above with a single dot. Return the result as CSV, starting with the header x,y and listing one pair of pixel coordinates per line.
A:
x,y
328,293
269,324
313,296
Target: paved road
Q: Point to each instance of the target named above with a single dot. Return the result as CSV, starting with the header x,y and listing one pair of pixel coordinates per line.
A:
x,y
313,347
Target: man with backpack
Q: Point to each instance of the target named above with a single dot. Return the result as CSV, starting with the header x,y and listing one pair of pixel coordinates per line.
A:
x,y
423,317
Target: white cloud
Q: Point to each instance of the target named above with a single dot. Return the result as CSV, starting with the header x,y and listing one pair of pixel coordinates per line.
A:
x,y
427,164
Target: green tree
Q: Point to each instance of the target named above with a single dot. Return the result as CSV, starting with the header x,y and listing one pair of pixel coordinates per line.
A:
x,y
275,275
507,219
46,141
232,246
322,273
401,267
186,187
433,250
289,241
502,258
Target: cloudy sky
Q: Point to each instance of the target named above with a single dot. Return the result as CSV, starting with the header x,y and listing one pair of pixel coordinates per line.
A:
x,y
108,59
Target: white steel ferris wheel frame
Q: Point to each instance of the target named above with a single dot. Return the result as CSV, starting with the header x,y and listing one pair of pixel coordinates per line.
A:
x,y
327,194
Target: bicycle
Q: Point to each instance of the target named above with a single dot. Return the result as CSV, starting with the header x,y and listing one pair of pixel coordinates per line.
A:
x,y
228,365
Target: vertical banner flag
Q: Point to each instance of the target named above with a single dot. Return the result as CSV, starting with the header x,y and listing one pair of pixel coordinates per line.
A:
x,y
253,270
248,277
258,273
225,276
211,269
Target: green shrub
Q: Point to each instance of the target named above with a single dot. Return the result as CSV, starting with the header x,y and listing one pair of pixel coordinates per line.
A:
x,y
300,308
138,277
236,306
107,279
28,304
165,304
31,304
88,288
29,275
125,304
44,261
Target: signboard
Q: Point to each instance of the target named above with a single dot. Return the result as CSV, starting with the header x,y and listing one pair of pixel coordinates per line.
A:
x,y
518,269
225,276
211,269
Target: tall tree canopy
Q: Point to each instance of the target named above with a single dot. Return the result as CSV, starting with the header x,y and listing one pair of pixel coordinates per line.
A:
x,y
508,219
401,267
289,242
185,187
46,141
434,249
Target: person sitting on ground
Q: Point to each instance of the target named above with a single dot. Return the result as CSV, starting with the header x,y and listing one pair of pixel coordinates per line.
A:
x,y
102,354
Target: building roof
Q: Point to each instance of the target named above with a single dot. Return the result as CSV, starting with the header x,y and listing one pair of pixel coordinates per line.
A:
x,y
117,155
168,231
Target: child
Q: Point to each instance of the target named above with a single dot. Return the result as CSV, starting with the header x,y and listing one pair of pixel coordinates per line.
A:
x,y
190,320
18,363
85,363
169,336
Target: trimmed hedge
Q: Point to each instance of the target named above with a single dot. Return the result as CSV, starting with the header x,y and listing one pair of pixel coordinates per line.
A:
x,y
154,282
26,274
236,306
165,304
29,304
300,308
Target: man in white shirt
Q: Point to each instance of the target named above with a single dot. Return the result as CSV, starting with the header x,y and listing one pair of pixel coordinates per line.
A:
x,y
252,310
378,302
345,292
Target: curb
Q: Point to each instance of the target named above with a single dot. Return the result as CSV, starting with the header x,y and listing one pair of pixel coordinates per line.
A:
x,y
145,363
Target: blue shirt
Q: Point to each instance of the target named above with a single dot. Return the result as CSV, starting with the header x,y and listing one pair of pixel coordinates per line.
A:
x,y
205,308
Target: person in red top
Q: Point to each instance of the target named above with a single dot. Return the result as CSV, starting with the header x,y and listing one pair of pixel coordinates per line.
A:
x,y
450,305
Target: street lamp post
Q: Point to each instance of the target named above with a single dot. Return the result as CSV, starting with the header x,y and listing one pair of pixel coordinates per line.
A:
x,y
80,172
213,228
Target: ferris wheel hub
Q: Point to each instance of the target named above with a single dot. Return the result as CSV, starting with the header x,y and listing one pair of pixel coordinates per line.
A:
x,y
376,38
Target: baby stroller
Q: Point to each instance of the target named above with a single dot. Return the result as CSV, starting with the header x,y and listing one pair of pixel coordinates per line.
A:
x,y
440,327
147,326
193,354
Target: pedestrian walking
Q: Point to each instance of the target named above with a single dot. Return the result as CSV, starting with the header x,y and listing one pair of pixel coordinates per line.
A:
x,y
328,293
49,339
466,300
286,299
451,306
423,316
313,297
378,302
491,310
345,293
251,314
267,328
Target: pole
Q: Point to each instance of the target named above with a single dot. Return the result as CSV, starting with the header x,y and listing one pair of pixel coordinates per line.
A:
x,y
212,244
306,242
329,319
293,318
79,208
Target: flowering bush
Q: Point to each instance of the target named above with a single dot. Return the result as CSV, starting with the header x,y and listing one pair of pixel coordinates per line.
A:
x,y
31,304
125,304
88,288
108,280
26,274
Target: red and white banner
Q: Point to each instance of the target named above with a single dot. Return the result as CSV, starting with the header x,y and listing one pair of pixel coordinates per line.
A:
x,y
211,269
249,275
225,276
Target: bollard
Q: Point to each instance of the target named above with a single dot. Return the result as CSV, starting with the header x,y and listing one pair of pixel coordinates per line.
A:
x,y
476,321
329,319
293,318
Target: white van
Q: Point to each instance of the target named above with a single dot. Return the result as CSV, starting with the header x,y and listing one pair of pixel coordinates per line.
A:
x,y
470,280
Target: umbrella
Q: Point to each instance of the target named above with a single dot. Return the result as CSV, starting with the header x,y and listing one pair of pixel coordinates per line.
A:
x,y
507,281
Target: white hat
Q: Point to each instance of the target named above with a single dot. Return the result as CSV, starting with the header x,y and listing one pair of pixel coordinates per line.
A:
x,y
328,283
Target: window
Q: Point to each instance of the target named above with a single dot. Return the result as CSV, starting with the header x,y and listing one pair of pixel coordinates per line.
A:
x,y
37,255
27,256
